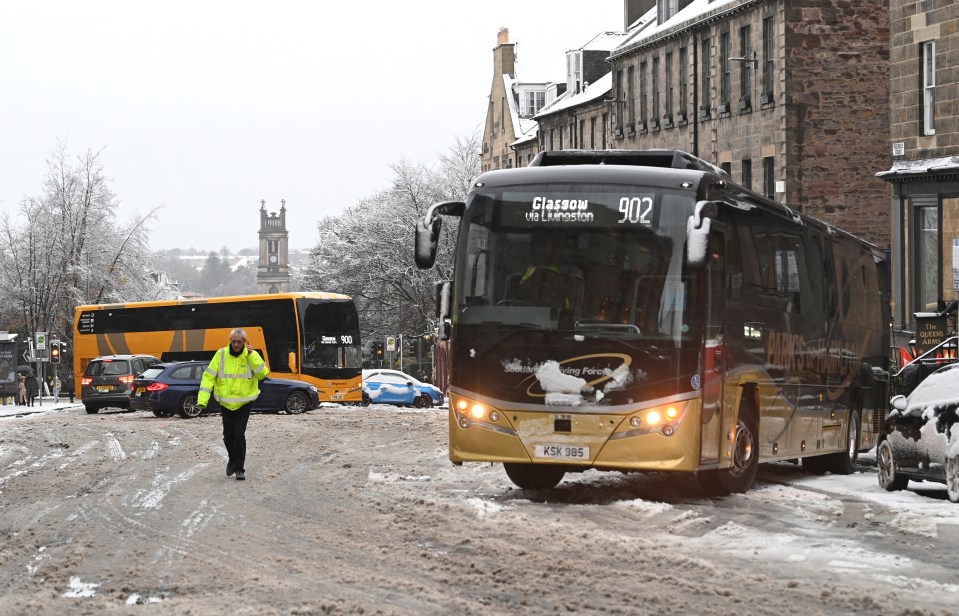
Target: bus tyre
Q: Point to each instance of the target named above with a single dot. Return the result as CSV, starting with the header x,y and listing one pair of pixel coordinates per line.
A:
x,y
952,478
534,476
740,476
296,403
188,407
91,408
844,463
889,480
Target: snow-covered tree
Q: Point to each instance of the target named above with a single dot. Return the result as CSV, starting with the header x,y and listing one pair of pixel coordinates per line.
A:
x,y
66,248
367,252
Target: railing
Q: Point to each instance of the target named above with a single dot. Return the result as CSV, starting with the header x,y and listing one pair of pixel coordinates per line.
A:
x,y
942,353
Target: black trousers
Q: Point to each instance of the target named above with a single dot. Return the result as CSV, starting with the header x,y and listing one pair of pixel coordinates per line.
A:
x,y
234,434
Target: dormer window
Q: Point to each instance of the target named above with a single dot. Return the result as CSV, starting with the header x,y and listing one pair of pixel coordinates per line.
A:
x,y
574,71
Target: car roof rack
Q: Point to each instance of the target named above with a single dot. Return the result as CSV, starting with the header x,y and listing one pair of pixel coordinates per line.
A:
x,y
670,159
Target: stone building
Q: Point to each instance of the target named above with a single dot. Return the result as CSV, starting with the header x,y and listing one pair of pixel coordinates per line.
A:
x,y
788,96
512,105
273,271
924,148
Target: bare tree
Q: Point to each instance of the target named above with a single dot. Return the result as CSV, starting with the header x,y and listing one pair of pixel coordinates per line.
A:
x,y
367,252
65,248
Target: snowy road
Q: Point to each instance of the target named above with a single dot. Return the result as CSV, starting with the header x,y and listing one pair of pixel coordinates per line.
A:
x,y
351,510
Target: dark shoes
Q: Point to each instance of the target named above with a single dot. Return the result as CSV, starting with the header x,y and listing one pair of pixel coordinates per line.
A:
x,y
230,468
241,475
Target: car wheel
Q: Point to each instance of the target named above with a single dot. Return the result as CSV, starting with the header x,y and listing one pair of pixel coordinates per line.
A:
x,y
740,476
423,402
158,413
366,399
886,465
952,478
188,407
296,403
91,408
534,476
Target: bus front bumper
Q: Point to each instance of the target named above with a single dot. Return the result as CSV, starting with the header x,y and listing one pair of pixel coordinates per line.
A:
x,y
663,437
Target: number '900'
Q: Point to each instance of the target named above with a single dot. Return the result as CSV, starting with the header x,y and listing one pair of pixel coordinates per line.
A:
x,y
636,210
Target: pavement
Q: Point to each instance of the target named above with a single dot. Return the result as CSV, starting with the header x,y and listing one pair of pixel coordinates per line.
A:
x,y
45,404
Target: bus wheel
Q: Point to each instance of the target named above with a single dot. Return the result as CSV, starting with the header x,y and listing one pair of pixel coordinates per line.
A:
x,y
952,478
91,408
740,476
844,463
188,407
886,464
534,476
296,403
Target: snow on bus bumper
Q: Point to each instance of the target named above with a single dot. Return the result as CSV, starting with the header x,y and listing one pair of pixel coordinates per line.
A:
x,y
662,437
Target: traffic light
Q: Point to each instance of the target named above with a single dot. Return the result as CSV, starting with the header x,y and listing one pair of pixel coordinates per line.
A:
x,y
55,352
379,350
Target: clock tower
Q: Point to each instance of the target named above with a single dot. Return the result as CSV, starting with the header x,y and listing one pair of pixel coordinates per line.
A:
x,y
273,273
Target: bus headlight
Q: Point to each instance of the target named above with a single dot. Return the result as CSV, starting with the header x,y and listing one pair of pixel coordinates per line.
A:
x,y
662,419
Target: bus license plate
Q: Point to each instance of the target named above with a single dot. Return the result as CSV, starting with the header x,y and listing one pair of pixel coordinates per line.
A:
x,y
564,452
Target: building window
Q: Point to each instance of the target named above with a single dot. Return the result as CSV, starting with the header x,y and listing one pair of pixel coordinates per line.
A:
x,y
502,115
534,102
707,98
643,91
927,257
655,112
726,82
669,84
592,133
683,83
619,102
574,77
582,131
746,68
929,88
631,84
602,134
727,167
769,52
769,177
748,173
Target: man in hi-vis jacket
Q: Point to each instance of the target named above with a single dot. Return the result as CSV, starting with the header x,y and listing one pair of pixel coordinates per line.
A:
x,y
233,377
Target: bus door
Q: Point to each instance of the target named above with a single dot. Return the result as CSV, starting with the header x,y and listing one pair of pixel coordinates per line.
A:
x,y
714,353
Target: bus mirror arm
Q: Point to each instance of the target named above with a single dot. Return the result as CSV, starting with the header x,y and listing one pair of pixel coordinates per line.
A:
x,y
426,234
444,323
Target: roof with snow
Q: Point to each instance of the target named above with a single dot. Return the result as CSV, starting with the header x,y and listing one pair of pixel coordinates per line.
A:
x,y
593,92
645,29
948,164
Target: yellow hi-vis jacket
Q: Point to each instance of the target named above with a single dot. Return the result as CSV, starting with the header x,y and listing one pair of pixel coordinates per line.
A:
x,y
233,381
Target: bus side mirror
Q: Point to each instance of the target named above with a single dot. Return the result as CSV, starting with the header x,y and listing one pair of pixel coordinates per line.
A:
x,y
443,303
426,234
292,361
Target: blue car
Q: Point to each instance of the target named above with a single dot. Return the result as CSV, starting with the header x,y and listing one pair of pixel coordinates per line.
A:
x,y
168,388
394,387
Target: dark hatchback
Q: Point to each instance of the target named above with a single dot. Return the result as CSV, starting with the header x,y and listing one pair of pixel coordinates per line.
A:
x,y
168,388
918,441
107,380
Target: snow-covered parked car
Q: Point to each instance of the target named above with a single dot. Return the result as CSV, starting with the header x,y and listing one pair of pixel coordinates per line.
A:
x,y
920,440
385,386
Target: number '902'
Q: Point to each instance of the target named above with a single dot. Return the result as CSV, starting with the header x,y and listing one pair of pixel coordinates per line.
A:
x,y
636,210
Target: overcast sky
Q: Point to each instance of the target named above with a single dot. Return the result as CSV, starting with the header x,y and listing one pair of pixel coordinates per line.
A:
x,y
208,107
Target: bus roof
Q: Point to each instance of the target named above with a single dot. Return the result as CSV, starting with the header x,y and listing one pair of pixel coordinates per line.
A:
x,y
654,168
319,295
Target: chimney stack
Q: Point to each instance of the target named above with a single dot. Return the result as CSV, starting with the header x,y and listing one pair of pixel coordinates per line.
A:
x,y
502,37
